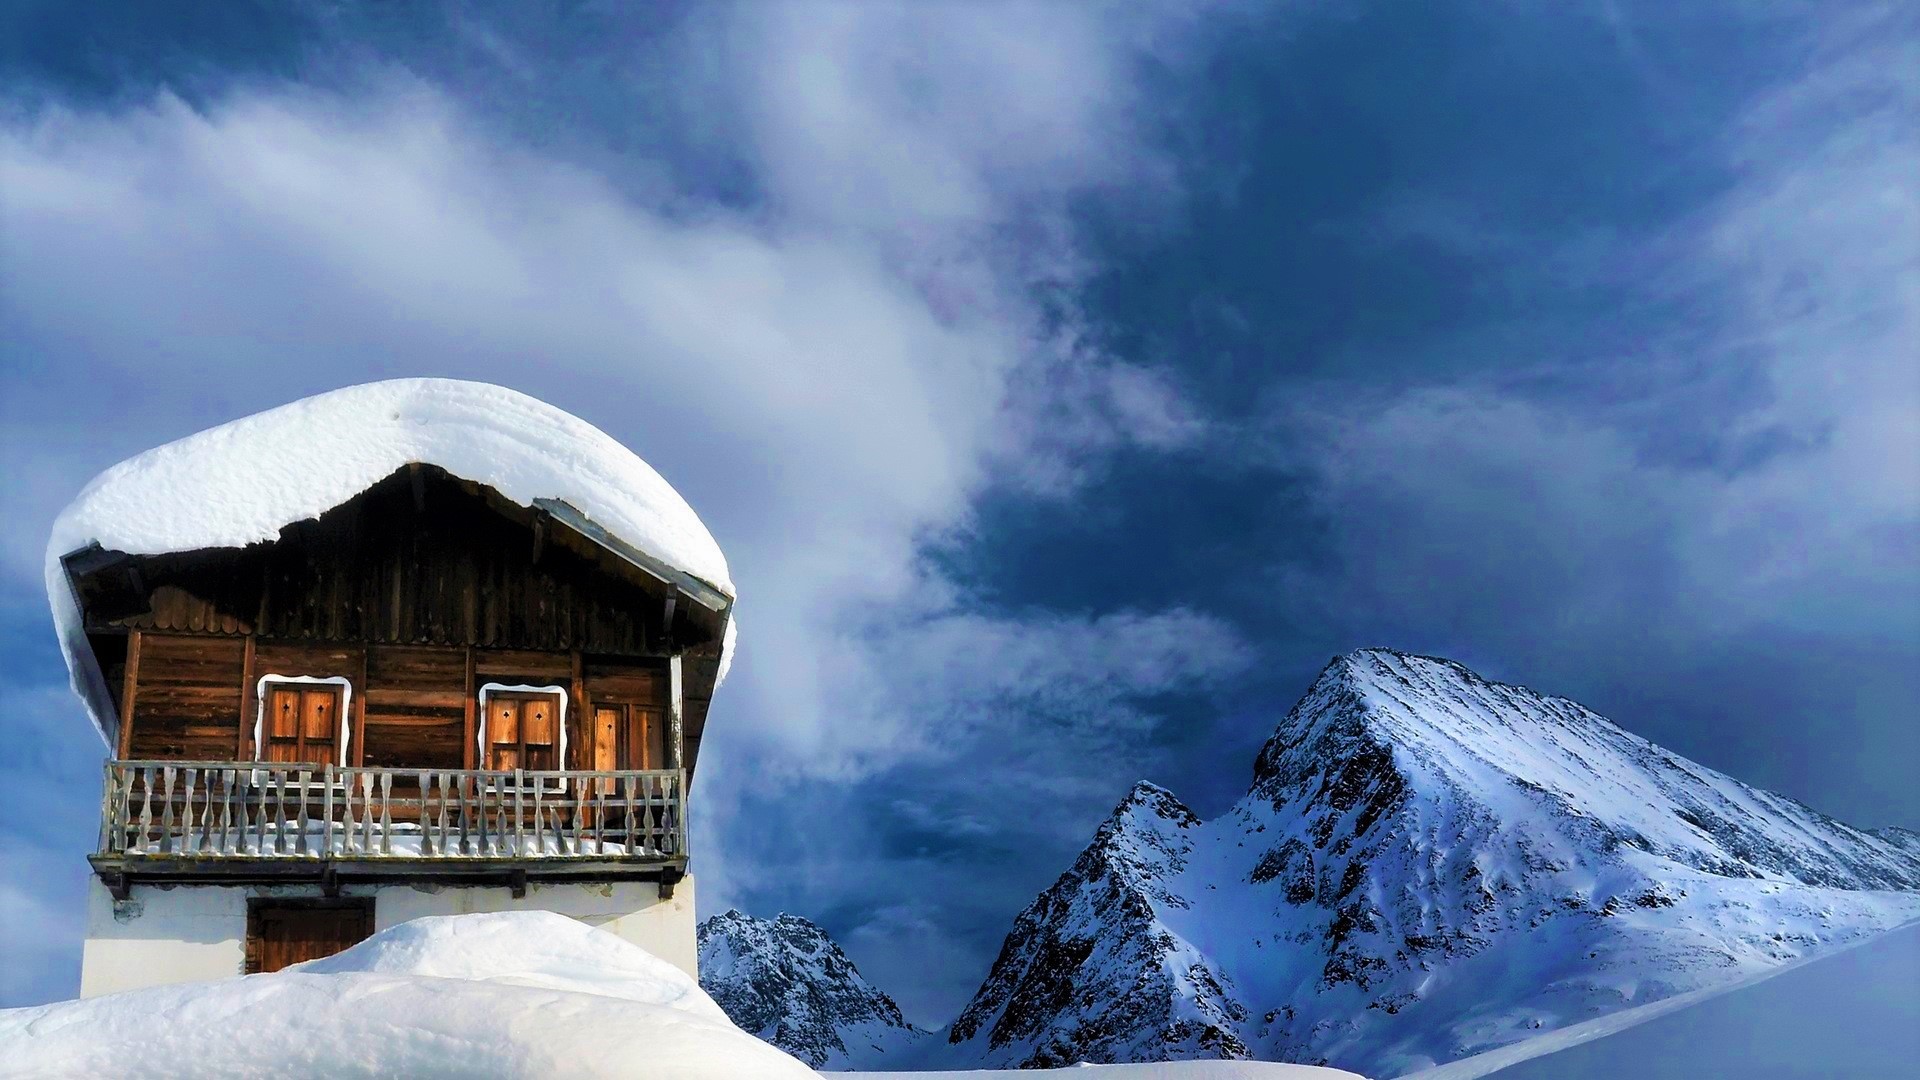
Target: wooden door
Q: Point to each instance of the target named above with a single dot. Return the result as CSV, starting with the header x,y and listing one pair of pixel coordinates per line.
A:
x,y
302,723
629,737
281,934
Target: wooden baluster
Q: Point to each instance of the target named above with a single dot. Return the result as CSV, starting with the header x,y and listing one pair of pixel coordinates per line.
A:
x,y
108,786
186,808
504,801
519,811
242,791
632,818
440,819
540,816
350,834
656,814
599,818
326,811
578,834
166,810
676,781
461,813
304,778
193,778
426,820
386,813
123,821
366,813
146,806
480,810
279,812
226,811
219,776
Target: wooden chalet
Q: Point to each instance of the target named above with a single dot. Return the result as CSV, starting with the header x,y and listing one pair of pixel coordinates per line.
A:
x,y
428,684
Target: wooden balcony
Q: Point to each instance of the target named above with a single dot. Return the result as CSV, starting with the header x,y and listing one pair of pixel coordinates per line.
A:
x,y
251,822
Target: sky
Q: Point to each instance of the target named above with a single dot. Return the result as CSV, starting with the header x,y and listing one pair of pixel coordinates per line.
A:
x,y
1066,383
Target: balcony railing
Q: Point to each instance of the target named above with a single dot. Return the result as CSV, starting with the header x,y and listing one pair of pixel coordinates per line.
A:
x,y
275,810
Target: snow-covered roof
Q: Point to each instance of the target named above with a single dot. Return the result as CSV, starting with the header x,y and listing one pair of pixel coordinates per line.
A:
x,y
242,482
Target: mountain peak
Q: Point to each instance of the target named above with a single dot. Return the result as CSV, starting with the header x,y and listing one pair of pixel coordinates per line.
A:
x,y
787,981
1429,864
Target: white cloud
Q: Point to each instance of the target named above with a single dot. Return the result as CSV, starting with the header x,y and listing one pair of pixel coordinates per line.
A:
x,y
830,374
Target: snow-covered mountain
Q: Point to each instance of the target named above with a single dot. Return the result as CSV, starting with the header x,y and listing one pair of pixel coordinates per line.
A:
x,y
1427,865
785,980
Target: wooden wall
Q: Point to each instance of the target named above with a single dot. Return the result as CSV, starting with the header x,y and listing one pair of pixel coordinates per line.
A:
x,y
194,695
416,712
188,701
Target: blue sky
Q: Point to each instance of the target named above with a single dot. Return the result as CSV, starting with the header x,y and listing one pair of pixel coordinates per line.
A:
x,y
1066,383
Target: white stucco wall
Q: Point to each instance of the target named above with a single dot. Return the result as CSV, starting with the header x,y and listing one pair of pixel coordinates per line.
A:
x,y
193,932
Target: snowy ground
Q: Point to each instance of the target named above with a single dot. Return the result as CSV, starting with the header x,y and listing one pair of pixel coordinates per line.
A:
x,y
1852,1013
521,994
1164,1070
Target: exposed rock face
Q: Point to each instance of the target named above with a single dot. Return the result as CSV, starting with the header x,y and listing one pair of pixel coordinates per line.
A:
x,y
1427,865
1097,928
786,981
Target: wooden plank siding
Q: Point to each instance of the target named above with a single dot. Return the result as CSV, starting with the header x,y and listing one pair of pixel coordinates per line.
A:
x,y
186,697
195,696
416,592
416,706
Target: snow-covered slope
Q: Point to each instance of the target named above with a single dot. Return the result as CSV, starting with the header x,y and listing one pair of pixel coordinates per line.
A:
x,y
1171,1070
528,994
1428,865
241,482
787,981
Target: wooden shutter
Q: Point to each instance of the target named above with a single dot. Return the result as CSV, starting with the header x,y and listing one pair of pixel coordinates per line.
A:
x,y
645,742
302,723
606,738
320,724
540,731
503,732
523,731
282,724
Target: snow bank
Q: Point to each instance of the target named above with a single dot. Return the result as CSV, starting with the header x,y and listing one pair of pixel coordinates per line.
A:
x,y
519,994
1159,1070
240,483
524,948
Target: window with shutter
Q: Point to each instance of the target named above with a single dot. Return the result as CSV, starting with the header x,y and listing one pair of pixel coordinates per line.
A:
x,y
301,720
523,728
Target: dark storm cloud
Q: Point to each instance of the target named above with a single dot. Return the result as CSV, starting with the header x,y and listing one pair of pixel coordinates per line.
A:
x,y
1062,398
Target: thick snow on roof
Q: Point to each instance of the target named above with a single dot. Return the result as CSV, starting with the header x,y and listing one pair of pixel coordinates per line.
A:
x,y
242,482
523,994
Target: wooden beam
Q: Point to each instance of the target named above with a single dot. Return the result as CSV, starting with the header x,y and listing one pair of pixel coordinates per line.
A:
x,y
419,481
583,752
466,739
129,686
360,713
249,704
675,733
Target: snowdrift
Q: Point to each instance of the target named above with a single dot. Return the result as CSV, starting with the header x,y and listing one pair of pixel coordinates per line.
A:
x,y
519,994
1160,1070
242,482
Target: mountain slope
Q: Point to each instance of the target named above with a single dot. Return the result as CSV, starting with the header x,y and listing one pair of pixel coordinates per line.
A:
x,y
785,980
1427,865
